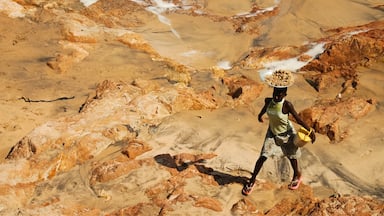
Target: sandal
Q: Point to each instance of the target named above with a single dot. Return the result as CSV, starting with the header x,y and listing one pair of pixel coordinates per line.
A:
x,y
295,183
247,189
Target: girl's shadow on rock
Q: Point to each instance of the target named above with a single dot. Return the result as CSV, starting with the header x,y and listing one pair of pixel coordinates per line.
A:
x,y
220,177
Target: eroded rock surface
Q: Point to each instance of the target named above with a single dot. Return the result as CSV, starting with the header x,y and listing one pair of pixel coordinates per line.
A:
x,y
347,51
93,162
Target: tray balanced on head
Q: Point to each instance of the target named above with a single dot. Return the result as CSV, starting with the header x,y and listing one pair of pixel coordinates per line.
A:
x,y
280,79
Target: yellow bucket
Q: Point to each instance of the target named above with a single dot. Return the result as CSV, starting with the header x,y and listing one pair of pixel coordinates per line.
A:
x,y
302,137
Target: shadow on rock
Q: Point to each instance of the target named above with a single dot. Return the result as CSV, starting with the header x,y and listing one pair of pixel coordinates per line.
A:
x,y
168,161
221,178
183,161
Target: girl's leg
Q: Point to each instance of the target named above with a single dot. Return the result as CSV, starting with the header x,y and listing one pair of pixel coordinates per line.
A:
x,y
256,170
247,189
296,180
295,167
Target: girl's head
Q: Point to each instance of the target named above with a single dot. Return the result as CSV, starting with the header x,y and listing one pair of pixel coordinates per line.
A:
x,y
279,93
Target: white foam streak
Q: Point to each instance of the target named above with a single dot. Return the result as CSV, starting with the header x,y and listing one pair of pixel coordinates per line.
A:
x,y
158,7
226,65
248,15
268,9
189,53
292,64
164,5
88,3
316,50
357,32
175,33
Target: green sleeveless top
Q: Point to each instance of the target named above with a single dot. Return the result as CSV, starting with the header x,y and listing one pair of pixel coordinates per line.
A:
x,y
278,121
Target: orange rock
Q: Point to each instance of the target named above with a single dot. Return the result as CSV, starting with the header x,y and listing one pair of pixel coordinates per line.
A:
x,y
342,56
348,205
135,148
242,88
139,209
245,207
112,169
327,115
186,158
209,203
23,149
